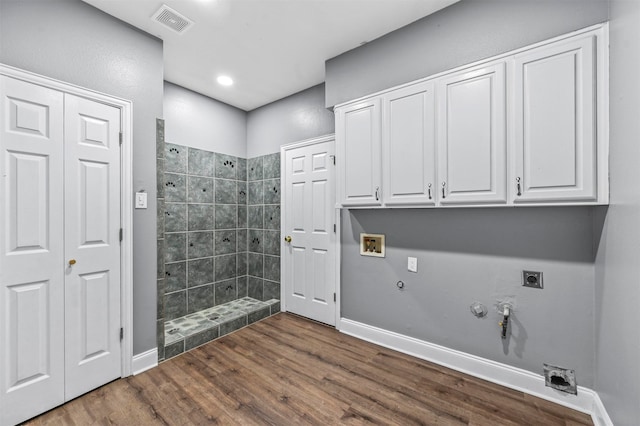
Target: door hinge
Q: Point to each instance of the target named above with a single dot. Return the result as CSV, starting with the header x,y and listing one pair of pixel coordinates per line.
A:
x,y
121,333
334,227
334,297
121,137
333,158
121,234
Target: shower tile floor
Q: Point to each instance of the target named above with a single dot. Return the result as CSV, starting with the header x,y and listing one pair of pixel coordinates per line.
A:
x,y
195,329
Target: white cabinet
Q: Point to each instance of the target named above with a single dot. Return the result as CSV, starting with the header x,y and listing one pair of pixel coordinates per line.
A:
x,y
359,152
472,161
408,146
526,128
555,156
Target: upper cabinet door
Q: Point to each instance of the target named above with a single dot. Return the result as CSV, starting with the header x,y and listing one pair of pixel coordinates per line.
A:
x,y
554,123
359,144
409,146
471,136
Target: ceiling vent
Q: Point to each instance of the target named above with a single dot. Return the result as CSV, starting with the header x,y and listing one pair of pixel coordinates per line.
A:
x,y
172,19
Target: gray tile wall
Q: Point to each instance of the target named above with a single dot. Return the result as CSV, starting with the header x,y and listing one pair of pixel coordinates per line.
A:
x,y
218,235
263,223
161,227
204,259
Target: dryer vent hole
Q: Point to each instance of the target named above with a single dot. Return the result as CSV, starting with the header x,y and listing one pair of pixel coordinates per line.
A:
x,y
559,378
559,381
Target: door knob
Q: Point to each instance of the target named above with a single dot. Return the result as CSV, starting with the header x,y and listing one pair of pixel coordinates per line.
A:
x,y
72,262
287,239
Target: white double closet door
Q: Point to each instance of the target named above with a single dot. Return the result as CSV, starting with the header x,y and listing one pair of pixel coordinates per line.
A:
x,y
59,247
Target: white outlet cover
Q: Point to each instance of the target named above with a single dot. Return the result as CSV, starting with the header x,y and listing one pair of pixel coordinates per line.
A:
x,y
412,264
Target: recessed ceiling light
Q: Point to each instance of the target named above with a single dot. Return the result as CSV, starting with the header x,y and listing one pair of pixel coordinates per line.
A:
x,y
225,80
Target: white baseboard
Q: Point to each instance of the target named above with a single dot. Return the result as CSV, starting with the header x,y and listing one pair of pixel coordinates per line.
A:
x,y
599,415
144,361
587,400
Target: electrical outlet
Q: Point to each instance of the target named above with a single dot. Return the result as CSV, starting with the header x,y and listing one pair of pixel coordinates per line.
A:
x,y
532,279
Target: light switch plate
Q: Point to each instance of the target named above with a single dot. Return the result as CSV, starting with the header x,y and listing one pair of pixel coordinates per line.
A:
x,y
412,264
141,200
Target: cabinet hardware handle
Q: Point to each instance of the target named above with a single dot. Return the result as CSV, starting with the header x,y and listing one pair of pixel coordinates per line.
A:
x,y
429,191
72,262
444,184
377,193
519,192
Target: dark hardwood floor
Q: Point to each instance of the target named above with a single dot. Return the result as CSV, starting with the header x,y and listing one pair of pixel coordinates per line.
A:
x,y
287,370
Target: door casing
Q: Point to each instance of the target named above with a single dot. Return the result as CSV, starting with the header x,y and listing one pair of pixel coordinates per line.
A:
x,y
126,194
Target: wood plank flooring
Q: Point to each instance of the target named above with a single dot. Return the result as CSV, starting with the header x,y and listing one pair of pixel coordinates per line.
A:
x,y
287,370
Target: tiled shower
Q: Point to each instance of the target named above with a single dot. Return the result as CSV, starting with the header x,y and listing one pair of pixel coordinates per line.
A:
x,y
218,244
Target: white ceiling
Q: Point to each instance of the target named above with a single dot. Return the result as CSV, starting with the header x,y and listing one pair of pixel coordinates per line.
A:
x,y
271,48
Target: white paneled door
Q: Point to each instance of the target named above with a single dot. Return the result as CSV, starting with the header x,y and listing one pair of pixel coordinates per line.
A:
x,y
59,248
92,240
31,249
309,231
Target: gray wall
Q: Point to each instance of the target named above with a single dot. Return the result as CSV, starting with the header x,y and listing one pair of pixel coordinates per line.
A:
x,y
473,254
459,34
198,121
74,42
294,118
618,260
191,120
467,255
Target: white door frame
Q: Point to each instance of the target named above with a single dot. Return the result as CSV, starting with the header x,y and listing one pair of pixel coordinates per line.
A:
x,y
126,194
336,218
